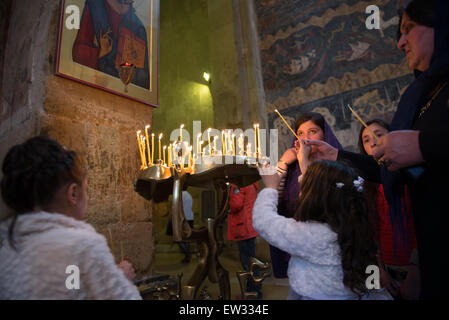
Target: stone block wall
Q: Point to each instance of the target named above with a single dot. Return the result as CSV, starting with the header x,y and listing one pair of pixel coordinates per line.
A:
x,y
99,125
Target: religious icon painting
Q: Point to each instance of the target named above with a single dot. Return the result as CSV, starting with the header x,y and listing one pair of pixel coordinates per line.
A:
x,y
111,45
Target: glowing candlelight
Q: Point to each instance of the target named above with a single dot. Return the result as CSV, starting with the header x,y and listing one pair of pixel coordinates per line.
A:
x,y
223,141
230,142
152,148
140,148
259,150
233,144
148,142
160,149
142,139
255,138
169,155
165,147
208,140
182,126
190,156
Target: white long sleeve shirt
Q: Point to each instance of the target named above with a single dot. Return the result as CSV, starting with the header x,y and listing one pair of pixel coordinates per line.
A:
x,y
315,269
47,243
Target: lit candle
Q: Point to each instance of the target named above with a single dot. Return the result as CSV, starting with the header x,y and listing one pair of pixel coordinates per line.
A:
x,y
190,156
152,148
169,155
148,141
255,138
142,139
198,150
223,142
259,150
165,147
201,143
182,126
233,144
160,149
248,150
140,147
226,143
230,142
208,140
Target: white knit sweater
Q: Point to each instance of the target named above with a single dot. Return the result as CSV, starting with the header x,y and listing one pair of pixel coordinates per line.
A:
x,y
47,243
315,269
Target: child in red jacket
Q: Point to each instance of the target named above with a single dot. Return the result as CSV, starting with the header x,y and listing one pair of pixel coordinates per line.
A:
x,y
240,226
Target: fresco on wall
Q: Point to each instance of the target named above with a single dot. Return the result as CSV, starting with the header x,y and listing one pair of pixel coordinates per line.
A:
x,y
318,55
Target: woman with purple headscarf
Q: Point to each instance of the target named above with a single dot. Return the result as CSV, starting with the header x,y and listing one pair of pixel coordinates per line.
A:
x,y
312,126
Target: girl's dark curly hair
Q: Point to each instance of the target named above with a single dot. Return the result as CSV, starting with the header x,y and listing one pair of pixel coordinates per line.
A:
x,y
345,211
34,171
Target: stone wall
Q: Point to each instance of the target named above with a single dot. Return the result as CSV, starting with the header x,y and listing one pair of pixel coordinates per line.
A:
x,y
99,125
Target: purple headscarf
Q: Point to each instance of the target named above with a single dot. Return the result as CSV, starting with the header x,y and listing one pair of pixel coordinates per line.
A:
x,y
291,190
279,258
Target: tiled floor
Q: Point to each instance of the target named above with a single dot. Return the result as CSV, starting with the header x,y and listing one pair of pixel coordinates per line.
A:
x,y
169,262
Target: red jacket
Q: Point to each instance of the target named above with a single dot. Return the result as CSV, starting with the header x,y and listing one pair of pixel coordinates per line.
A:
x,y
240,217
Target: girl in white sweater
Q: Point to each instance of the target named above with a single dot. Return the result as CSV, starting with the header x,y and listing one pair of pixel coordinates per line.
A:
x,y
44,244
329,239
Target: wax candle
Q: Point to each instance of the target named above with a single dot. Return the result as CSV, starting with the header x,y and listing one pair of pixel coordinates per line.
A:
x,y
255,138
160,137
152,148
140,147
223,142
248,150
259,150
169,155
148,142
142,139
165,147
233,144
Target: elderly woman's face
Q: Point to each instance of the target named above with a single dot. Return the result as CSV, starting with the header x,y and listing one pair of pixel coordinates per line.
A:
x,y
417,42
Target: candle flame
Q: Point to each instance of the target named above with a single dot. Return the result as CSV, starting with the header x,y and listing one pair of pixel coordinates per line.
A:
x,y
160,136
208,130
139,131
147,126
199,135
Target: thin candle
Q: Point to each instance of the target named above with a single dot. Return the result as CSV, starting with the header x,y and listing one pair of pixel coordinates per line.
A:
x,y
142,138
165,147
248,150
276,110
259,150
169,155
140,147
160,149
233,144
255,138
148,141
223,141
182,126
364,124
152,148
241,146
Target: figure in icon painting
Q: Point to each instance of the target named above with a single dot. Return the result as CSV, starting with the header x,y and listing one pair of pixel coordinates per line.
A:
x,y
112,34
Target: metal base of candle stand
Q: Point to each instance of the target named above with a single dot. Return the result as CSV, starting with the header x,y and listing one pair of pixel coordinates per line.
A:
x,y
217,172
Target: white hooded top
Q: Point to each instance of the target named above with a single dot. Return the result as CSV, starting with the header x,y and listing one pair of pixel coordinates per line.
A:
x,y
46,244
314,269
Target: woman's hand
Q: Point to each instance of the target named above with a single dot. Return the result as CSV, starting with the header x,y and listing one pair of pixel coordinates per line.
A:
x,y
302,154
287,158
323,150
127,269
399,149
271,177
